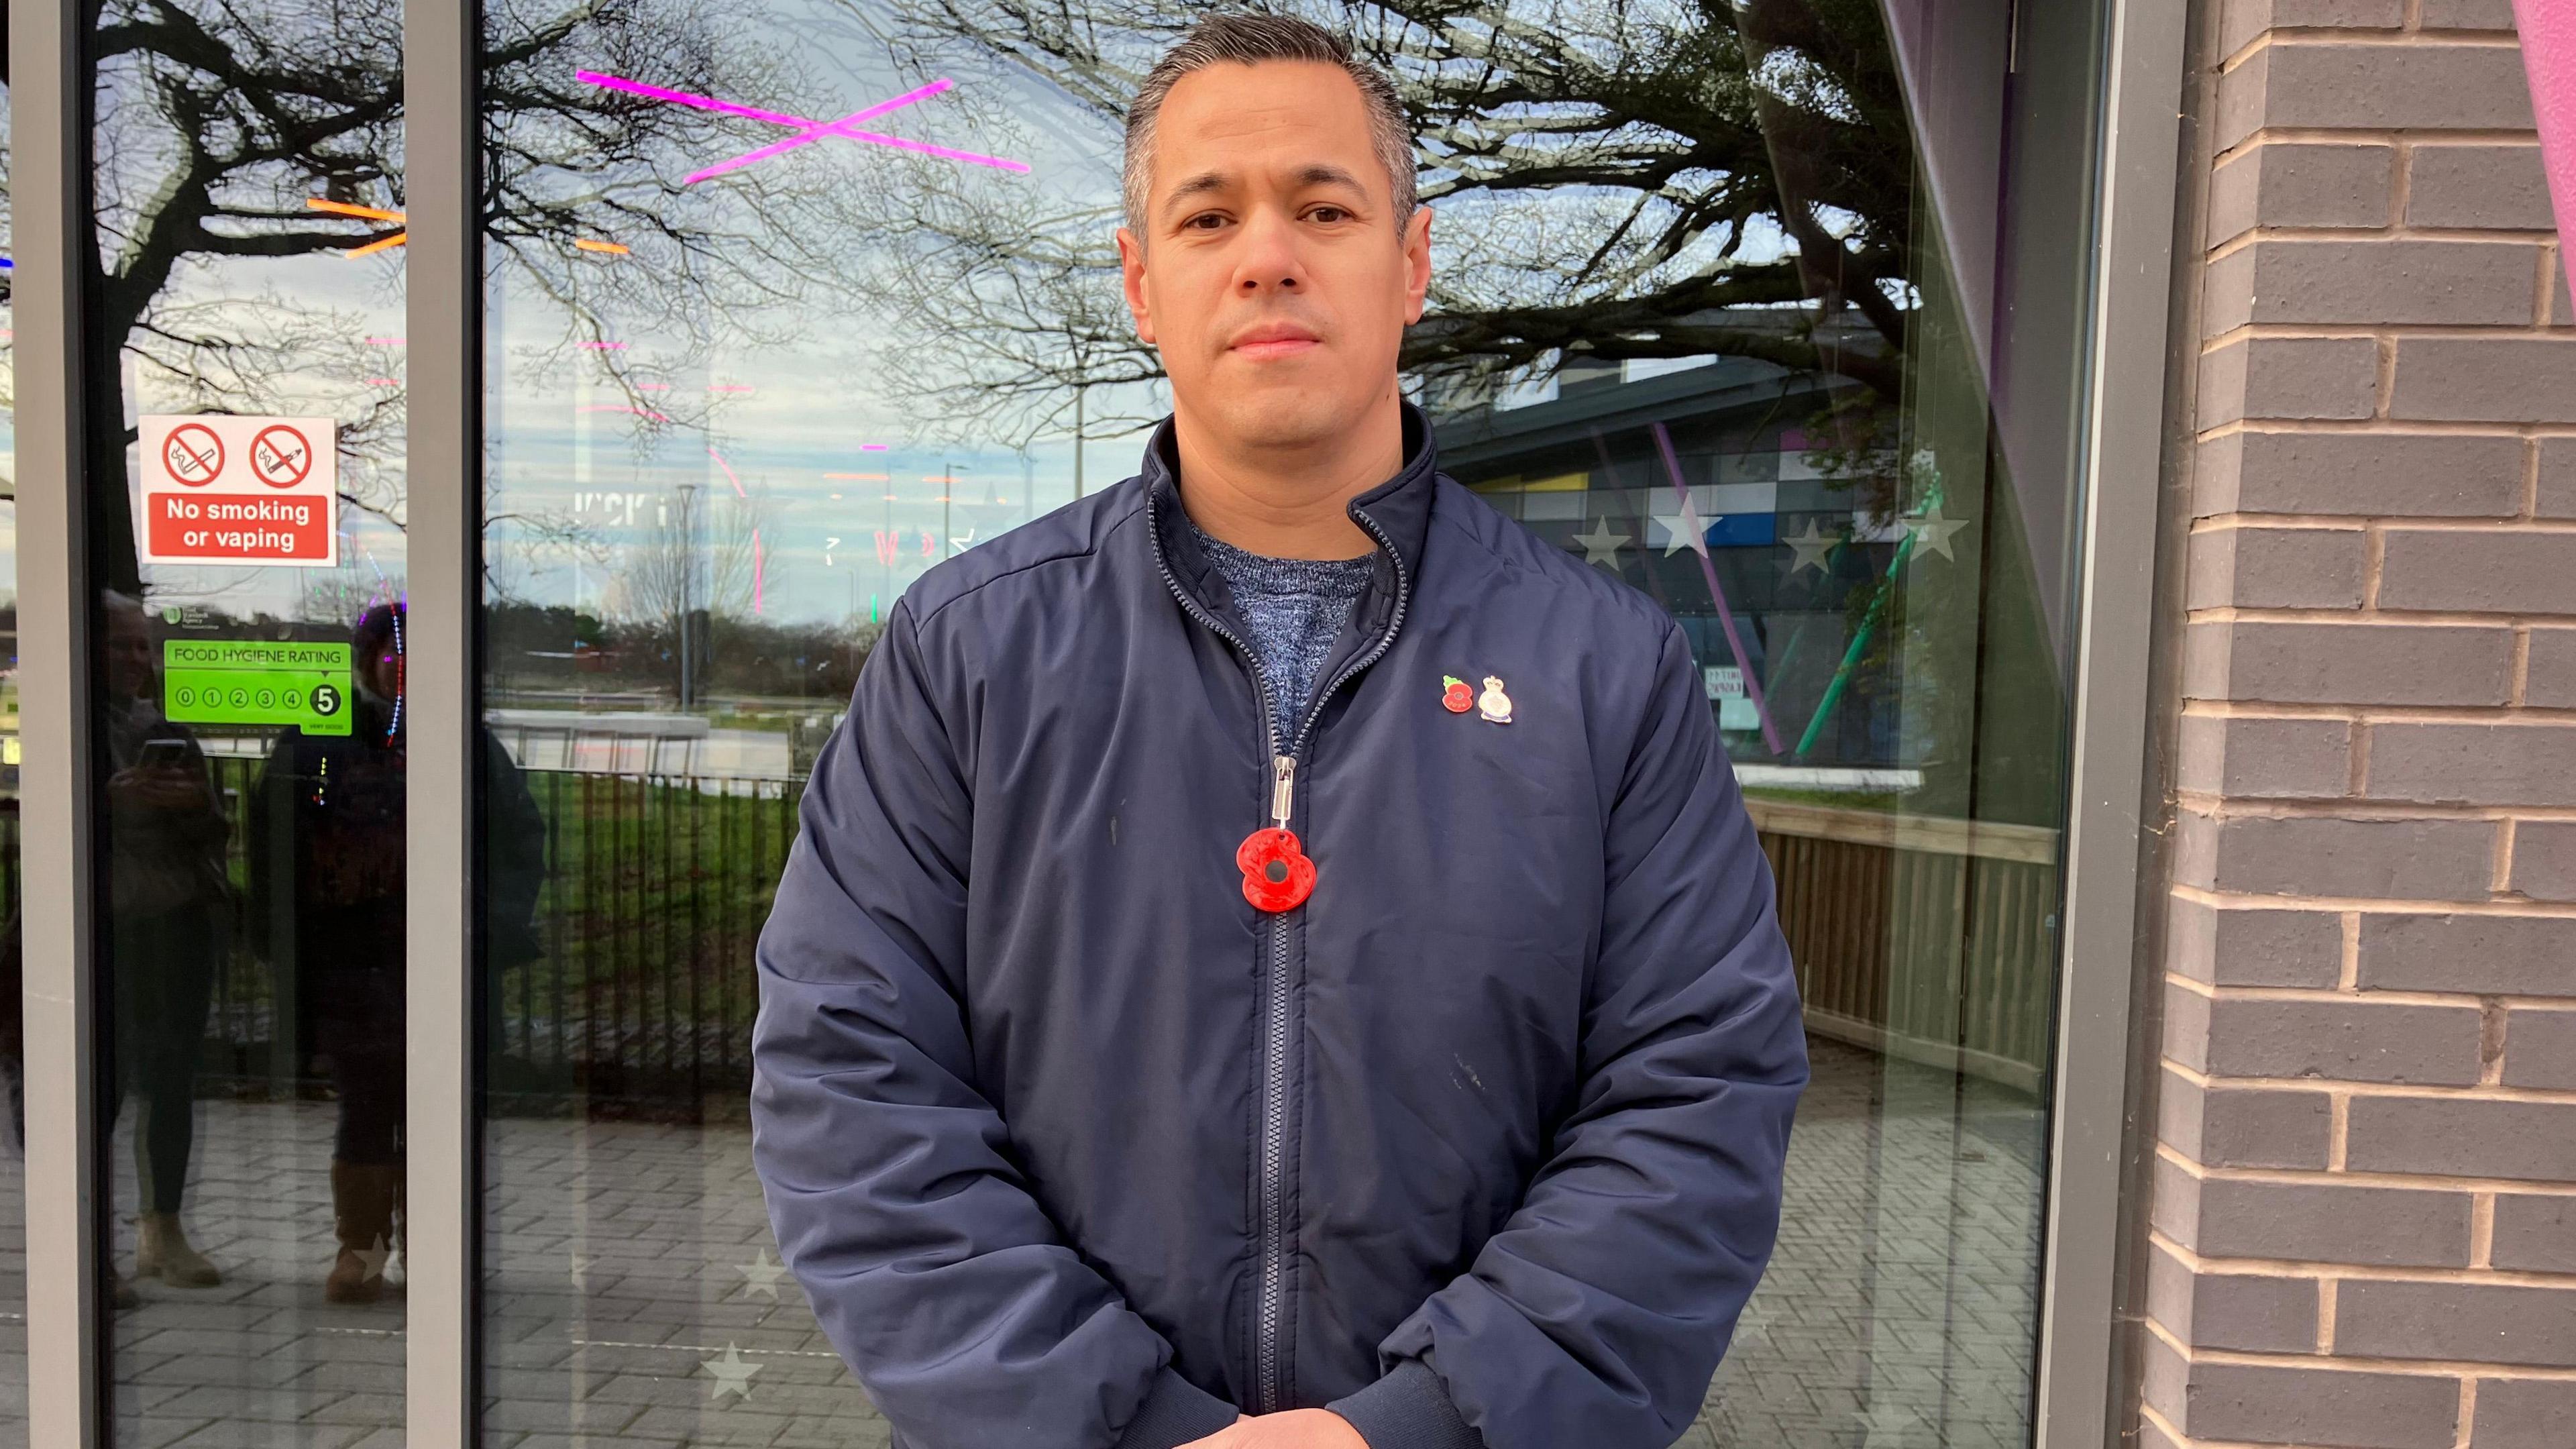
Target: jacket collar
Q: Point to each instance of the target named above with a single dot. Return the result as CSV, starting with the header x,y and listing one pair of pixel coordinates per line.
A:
x,y
1397,513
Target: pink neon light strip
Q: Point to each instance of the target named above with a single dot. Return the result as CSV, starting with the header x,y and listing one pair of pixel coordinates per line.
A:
x,y
809,130
759,564
729,478
818,132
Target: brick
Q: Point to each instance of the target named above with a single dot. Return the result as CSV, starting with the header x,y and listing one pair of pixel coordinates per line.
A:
x,y
2473,764
2435,475
2277,568
2244,1126
2319,283
2463,1137
2544,860
2253,947
2304,85
2535,1234
2523,1413
2376,663
2314,856
2485,380
2290,183
2262,1404
2490,187
2473,1322
2384,1227
2290,378
2341,1039
2467,15
2236,1311
2264,759
2540,1049
2481,570
2243,20
2562,307
2481,955
2551,681
2556,495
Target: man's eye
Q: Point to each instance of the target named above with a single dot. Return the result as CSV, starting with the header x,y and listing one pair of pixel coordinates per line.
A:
x,y
1205,221
1328,214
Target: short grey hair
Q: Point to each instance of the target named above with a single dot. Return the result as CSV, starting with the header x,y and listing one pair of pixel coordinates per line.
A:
x,y
1249,39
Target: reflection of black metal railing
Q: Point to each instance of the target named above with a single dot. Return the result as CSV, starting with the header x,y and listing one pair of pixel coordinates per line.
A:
x,y
641,1001
1929,939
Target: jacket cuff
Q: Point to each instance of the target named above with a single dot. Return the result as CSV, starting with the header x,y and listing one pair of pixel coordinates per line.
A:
x,y
1175,1412
1408,1409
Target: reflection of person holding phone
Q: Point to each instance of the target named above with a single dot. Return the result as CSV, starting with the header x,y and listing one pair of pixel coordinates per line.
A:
x,y
170,925
328,891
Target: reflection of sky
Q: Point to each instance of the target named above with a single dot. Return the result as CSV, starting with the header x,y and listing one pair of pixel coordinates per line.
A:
x,y
591,479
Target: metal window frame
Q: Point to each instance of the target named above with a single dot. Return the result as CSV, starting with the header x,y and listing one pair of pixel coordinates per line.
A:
x,y
443,295
47,190
2132,310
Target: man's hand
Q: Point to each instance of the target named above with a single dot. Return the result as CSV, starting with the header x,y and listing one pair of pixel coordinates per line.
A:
x,y
1295,1429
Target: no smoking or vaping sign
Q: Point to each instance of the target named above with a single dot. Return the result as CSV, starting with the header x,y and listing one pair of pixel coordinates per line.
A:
x,y
221,489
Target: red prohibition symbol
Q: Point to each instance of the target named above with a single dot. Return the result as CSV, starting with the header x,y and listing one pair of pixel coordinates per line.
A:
x,y
193,454
281,456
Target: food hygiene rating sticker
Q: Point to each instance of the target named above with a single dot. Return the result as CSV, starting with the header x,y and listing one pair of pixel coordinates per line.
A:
x,y
255,682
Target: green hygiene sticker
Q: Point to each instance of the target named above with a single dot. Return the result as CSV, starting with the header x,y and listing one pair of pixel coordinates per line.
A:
x,y
256,682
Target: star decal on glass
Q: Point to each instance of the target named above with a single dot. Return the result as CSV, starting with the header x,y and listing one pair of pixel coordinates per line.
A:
x,y
1932,532
732,1375
761,1276
1601,546
1811,547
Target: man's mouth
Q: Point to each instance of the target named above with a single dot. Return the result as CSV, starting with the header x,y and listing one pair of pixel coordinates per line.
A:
x,y
1273,340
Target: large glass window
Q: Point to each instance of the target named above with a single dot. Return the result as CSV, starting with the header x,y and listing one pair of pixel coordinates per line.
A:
x,y
243,446
1769,310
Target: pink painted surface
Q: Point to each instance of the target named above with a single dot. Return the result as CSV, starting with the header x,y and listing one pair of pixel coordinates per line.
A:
x,y
2549,55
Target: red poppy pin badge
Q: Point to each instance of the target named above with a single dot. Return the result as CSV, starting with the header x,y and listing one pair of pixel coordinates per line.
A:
x,y
1455,696
1277,873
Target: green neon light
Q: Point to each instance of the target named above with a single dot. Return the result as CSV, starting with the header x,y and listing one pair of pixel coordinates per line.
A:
x,y
256,682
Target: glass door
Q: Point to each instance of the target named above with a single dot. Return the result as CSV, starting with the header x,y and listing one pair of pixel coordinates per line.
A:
x,y
1771,311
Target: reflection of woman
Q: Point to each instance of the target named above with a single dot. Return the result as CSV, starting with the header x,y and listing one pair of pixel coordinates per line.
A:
x,y
171,911
326,848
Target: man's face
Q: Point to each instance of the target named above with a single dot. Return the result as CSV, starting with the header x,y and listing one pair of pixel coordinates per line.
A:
x,y
1270,271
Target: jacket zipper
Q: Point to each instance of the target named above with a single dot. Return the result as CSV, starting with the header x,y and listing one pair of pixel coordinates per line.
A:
x,y
1270,1389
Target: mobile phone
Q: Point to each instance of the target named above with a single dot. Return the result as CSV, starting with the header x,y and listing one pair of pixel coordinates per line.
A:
x,y
164,754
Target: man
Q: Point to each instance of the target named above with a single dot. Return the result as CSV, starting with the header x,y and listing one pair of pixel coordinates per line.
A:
x,y
1276,958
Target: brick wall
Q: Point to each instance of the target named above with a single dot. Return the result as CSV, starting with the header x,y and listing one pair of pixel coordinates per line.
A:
x,y
2364,1197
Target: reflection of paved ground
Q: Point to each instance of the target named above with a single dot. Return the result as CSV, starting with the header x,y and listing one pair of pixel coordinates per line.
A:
x,y
635,1300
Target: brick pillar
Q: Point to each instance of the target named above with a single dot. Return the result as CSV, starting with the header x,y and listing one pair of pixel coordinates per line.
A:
x,y
2364,1202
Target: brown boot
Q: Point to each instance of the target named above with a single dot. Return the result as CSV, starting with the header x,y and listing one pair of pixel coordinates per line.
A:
x,y
362,1210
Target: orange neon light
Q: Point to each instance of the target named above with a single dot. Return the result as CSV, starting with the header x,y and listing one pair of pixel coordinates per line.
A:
x,y
403,238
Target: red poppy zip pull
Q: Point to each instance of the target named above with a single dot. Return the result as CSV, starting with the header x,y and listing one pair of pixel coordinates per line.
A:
x,y
1277,876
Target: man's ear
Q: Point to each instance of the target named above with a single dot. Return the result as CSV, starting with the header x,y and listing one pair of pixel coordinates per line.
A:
x,y
1417,263
1131,267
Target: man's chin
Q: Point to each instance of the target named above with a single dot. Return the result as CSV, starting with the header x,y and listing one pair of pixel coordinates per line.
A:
x,y
1287,418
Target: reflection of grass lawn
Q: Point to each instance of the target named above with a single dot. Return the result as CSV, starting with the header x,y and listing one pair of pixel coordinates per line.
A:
x,y
654,897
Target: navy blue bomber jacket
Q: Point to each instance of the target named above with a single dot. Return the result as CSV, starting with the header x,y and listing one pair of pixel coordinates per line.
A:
x,y
1070,1145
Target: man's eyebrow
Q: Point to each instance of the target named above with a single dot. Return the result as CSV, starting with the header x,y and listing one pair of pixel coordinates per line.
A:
x,y
1199,185
1320,174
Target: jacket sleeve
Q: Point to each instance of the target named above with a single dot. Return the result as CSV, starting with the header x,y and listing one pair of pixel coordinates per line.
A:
x,y
890,1183
1598,1313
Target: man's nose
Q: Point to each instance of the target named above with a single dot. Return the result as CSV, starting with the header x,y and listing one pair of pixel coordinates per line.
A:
x,y
1270,261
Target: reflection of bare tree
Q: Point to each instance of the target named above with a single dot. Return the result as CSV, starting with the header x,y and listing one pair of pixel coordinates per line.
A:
x,y
1614,180
700,558
216,122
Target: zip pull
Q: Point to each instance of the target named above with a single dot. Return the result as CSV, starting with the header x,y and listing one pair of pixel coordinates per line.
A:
x,y
1277,876
1283,789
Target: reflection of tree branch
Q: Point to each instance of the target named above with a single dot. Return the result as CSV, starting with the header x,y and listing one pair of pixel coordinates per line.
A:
x,y
1612,183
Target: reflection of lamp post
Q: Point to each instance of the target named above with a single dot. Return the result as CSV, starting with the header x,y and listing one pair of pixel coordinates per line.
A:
x,y
688,577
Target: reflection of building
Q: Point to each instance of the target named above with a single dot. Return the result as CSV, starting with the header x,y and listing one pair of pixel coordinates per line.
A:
x,y
1786,520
